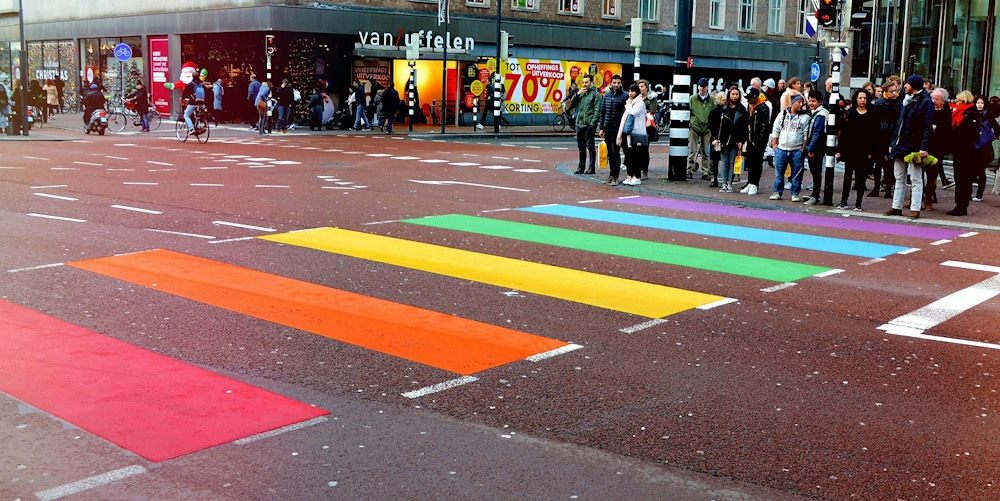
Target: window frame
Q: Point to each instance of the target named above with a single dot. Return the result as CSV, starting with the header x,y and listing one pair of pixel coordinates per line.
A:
x,y
530,6
655,7
801,12
478,4
776,5
569,12
617,7
721,25
750,26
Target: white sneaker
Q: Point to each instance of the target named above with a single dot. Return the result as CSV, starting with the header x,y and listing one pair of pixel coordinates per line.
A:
x,y
752,190
479,126
636,182
746,189
796,198
775,196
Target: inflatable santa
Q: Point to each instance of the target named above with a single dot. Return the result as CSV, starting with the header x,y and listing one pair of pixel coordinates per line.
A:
x,y
188,72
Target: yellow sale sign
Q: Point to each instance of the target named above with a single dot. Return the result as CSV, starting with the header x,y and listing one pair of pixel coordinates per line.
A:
x,y
540,85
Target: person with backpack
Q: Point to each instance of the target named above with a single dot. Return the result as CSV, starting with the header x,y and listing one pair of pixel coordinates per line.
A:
x,y
194,94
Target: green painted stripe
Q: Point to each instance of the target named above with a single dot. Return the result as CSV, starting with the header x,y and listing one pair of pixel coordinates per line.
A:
x,y
691,257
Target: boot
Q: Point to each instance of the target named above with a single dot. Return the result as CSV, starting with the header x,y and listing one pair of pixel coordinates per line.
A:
x,y
914,214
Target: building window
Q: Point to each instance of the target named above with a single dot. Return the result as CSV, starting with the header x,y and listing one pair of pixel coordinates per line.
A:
x,y
748,15
717,14
800,13
610,10
529,5
649,10
478,3
570,7
776,17
694,15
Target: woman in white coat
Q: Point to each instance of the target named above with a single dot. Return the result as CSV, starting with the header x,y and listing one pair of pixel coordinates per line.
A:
x,y
632,137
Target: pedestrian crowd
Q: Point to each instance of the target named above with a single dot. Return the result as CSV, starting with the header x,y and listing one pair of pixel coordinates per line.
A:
x,y
898,134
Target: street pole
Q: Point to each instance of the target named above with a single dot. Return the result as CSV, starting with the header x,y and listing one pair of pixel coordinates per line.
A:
x,y
497,98
23,112
444,69
410,89
680,112
831,126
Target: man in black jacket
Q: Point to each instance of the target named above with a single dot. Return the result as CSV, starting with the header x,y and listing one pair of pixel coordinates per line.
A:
x,y
912,135
390,105
887,109
612,110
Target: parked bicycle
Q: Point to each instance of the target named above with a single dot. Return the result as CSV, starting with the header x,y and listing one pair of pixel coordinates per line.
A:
x,y
201,130
125,113
563,119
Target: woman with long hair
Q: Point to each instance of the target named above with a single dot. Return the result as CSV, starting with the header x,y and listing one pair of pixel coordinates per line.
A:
x,y
984,154
261,102
858,147
729,134
51,97
632,137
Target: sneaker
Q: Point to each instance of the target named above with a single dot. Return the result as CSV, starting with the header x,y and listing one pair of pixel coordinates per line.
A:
x,y
746,189
723,189
479,126
775,196
812,201
977,199
752,190
796,198
636,182
614,182
949,184
842,207
858,209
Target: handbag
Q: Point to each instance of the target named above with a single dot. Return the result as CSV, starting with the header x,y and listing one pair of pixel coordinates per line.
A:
x,y
986,135
636,139
651,132
629,124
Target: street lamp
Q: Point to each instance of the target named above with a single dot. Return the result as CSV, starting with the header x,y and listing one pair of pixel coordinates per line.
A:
x,y
635,40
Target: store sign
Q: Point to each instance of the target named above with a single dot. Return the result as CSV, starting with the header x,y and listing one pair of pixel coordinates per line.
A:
x,y
373,71
422,39
159,69
539,85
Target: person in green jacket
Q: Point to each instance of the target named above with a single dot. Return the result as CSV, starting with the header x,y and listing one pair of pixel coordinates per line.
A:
x,y
700,136
588,113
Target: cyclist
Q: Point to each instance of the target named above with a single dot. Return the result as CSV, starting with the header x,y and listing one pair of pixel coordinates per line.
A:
x,y
141,98
194,94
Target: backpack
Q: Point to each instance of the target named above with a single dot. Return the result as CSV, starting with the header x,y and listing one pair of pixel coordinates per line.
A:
x,y
199,92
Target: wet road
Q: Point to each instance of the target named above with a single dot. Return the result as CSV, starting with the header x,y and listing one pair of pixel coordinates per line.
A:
x,y
563,343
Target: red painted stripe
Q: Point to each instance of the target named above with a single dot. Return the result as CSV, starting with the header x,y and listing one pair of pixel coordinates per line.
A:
x,y
152,405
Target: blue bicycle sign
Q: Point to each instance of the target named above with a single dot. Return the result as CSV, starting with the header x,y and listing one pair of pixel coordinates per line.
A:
x,y
123,52
814,72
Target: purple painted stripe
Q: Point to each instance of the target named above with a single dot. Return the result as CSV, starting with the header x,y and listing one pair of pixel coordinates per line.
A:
x,y
841,223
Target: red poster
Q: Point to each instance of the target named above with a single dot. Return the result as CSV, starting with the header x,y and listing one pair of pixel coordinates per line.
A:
x,y
159,69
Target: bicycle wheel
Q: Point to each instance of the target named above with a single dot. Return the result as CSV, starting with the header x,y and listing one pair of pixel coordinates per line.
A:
x,y
117,121
154,119
181,130
559,123
203,130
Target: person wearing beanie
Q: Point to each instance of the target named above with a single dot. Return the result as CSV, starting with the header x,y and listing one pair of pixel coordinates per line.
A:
x,y
912,135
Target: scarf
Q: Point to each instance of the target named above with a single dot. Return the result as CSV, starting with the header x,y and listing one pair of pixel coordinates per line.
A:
x,y
958,114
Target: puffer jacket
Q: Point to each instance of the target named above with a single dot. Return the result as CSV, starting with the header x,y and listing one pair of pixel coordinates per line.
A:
x,y
612,108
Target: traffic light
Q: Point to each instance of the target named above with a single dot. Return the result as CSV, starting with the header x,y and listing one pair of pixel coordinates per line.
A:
x,y
269,45
506,44
861,13
635,32
826,16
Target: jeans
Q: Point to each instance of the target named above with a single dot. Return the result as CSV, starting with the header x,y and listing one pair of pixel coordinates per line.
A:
x,y
727,163
359,115
261,122
916,177
781,159
144,120
585,143
283,113
187,116
388,124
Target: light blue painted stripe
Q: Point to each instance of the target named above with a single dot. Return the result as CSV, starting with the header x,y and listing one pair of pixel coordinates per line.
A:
x,y
771,237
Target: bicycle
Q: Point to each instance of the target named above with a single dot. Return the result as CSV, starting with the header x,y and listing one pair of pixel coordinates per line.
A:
x,y
125,110
201,130
563,119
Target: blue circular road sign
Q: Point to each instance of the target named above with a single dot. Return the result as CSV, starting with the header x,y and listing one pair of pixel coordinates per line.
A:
x,y
123,52
814,72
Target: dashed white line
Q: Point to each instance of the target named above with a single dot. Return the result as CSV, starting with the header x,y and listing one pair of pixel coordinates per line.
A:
x,y
159,163
406,158
530,160
286,162
206,184
718,303
589,201
434,161
115,158
500,158
59,168
553,353
644,325
530,171
379,155
49,186
828,273
89,163
778,287
182,234
232,240
136,209
972,266
908,251
969,234
279,431
381,222
464,164
427,390
238,225
140,184
939,242
214,168
31,268
35,158
871,261
495,167
89,483
271,186
56,196
120,170
70,219
495,210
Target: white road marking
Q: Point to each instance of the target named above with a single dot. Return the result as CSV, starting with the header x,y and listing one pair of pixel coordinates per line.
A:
x,y
161,170
272,186
49,186
338,187
530,171
559,148
206,184
225,160
140,184
427,390
35,158
939,242
379,155
530,160
644,325
553,353
232,240
121,170
58,217
469,155
214,168
494,210
159,163
279,431
115,158
871,261
908,251
57,168
495,167
124,144
260,159
464,164
136,209
969,234
14,168
89,483
344,182
286,162
828,273
778,287
625,198
972,266
589,201
182,234
261,166
718,303
30,268
434,161
500,158
469,184
258,228
56,196
406,158
381,222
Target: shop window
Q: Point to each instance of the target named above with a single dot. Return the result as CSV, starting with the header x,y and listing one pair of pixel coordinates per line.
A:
x,y
776,17
649,10
748,15
801,11
527,5
611,10
571,7
478,3
717,14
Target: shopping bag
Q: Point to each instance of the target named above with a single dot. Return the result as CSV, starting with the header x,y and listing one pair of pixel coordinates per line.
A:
x,y
788,171
738,165
996,183
602,155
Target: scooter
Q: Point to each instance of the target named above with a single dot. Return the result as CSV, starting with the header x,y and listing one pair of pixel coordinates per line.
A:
x,y
98,122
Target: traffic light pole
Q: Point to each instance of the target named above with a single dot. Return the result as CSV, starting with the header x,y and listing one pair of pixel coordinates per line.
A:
x,y
23,112
497,98
680,111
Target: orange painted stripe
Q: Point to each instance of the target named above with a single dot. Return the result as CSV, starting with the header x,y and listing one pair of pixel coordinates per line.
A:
x,y
436,339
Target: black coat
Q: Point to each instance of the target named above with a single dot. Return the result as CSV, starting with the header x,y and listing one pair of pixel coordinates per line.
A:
x,y
141,97
913,131
730,125
760,127
964,140
941,137
858,137
390,102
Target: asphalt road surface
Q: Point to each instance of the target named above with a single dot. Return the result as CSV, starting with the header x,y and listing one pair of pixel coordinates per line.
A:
x,y
378,317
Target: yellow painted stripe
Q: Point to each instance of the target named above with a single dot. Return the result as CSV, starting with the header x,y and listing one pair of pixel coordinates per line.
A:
x,y
630,296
